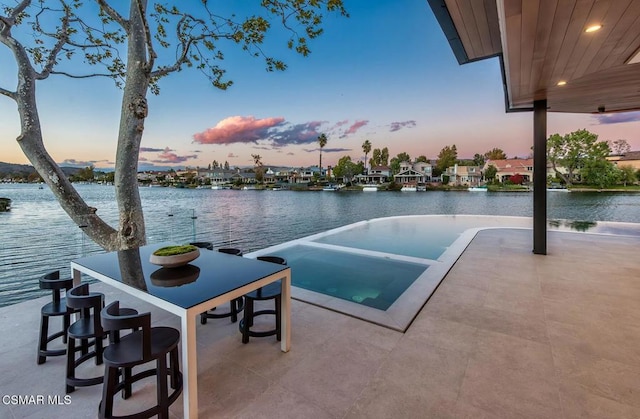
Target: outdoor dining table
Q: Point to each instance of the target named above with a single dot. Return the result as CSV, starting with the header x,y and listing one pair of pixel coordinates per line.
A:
x,y
211,280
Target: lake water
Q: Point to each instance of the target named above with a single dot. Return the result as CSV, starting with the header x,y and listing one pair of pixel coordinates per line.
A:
x,y
36,236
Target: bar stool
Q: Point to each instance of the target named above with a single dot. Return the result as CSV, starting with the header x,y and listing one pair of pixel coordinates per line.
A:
x,y
269,292
88,330
144,344
56,308
235,306
203,245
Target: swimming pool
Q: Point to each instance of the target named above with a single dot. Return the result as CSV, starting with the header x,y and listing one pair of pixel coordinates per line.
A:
x,y
384,270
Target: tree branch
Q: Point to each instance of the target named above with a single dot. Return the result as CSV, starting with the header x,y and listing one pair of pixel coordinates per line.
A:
x,y
9,21
82,76
63,37
113,14
19,9
147,33
8,93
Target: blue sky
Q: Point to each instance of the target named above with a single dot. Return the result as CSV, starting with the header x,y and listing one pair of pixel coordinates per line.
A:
x,y
386,74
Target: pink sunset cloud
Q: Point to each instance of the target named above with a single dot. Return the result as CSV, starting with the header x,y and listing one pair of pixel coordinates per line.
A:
x,y
168,156
340,123
238,129
355,127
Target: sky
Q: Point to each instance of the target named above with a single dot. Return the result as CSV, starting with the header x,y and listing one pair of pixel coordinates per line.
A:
x,y
385,74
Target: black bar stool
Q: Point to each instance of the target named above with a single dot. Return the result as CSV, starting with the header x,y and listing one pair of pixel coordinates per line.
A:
x,y
56,308
235,305
88,330
268,292
203,245
144,344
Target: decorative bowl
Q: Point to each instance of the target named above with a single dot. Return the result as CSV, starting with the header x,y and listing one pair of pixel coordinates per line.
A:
x,y
175,277
184,255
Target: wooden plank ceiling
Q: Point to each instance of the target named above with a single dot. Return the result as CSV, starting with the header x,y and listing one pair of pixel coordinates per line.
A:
x,y
543,42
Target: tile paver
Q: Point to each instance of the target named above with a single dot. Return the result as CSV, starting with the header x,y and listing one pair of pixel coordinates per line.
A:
x,y
507,334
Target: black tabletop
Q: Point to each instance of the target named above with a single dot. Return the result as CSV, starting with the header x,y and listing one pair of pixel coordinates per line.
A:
x,y
209,276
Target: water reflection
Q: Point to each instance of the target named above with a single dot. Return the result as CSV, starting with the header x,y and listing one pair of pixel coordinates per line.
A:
x,y
572,225
175,277
131,268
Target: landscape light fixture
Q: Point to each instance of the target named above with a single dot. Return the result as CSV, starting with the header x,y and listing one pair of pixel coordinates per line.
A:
x,y
593,28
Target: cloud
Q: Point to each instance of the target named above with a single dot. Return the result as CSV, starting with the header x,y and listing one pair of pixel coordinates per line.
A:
x,y
305,133
232,156
152,150
327,150
274,132
397,126
168,156
238,129
356,126
291,154
617,118
80,163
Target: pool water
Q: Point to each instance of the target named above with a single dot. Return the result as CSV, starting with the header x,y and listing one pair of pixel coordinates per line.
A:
x,y
384,270
370,281
402,236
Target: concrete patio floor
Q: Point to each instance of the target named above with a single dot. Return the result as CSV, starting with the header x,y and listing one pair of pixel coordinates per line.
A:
x,y
507,334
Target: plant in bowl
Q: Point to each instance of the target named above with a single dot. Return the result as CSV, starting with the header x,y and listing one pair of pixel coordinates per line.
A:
x,y
174,256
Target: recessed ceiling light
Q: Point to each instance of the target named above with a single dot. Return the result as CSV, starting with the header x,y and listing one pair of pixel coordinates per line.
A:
x,y
593,28
562,83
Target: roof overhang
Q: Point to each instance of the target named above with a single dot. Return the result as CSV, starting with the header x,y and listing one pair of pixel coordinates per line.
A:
x,y
542,43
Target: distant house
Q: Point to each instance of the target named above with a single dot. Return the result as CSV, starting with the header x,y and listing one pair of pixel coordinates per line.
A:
x,y
413,173
510,167
376,175
146,177
243,177
632,158
269,176
464,175
303,175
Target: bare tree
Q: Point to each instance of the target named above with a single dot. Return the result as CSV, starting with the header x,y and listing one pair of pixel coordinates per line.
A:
x,y
57,37
620,147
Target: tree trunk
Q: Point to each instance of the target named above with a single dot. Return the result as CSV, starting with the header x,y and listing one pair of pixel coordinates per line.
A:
x,y
567,179
30,141
131,232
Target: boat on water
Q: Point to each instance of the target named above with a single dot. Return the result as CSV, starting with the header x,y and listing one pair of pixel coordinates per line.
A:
x,y
217,186
370,188
332,188
409,188
5,204
477,189
558,190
